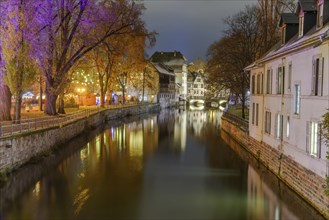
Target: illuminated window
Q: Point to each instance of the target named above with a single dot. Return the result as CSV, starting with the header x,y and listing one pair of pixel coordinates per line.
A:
x,y
297,99
301,26
313,138
278,126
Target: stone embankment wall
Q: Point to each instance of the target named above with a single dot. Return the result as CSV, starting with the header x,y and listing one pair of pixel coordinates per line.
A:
x,y
17,150
304,182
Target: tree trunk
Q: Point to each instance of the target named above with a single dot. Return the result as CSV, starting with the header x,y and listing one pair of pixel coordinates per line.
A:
x,y
41,94
17,109
61,109
51,98
123,95
143,85
102,98
5,102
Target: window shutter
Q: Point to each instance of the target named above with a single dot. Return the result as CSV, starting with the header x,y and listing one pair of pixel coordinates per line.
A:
x,y
271,81
319,140
269,128
277,81
276,126
321,77
283,79
313,77
308,137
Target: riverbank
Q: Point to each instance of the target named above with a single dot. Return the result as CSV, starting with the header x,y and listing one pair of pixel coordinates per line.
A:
x,y
17,150
305,183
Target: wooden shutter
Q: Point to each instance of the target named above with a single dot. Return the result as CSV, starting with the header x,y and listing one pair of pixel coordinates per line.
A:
x,y
307,137
320,93
319,141
313,77
283,79
277,81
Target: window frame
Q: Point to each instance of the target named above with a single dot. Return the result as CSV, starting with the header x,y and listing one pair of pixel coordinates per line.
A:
x,y
297,98
313,138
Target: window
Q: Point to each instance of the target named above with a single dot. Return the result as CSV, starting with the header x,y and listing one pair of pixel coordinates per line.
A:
x,y
258,84
301,26
269,81
253,114
257,111
268,122
297,99
317,76
280,80
289,76
319,21
278,126
313,138
253,84
288,127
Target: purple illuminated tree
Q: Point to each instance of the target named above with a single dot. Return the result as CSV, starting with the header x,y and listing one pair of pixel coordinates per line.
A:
x,y
67,33
16,28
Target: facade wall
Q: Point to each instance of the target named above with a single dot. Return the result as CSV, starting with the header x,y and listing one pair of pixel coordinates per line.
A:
x,y
295,134
16,151
303,181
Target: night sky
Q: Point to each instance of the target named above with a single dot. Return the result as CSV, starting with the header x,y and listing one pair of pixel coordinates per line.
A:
x,y
189,26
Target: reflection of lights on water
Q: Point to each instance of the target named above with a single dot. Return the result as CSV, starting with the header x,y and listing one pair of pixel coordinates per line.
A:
x,y
136,143
196,107
36,190
80,200
112,132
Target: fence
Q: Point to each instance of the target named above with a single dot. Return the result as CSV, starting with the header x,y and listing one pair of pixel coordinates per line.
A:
x,y
242,123
9,128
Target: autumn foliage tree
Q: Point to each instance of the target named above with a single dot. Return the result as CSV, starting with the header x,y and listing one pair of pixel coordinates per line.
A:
x,y
67,33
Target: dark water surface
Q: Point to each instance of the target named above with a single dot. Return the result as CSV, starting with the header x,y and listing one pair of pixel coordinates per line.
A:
x,y
169,166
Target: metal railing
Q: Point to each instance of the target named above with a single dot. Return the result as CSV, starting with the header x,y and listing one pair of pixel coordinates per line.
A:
x,y
8,128
243,123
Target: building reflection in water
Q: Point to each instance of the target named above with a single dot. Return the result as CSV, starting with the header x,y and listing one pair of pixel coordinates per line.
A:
x,y
263,203
172,161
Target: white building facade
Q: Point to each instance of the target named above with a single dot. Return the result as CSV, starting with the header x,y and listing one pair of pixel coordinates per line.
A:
x,y
290,88
178,63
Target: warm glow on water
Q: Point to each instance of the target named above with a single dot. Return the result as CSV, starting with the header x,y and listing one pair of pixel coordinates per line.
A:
x,y
169,166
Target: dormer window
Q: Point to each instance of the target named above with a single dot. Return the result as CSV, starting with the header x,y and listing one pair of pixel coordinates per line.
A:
x,y
301,25
319,21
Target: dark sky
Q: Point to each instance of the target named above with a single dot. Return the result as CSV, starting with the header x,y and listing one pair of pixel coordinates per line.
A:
x,y
189,26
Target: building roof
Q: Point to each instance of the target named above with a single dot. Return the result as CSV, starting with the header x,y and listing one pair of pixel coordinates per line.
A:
x,y
311,38
160,57
163,69
306,5
288,18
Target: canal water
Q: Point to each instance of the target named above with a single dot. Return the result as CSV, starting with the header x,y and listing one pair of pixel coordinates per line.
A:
x,y
174,165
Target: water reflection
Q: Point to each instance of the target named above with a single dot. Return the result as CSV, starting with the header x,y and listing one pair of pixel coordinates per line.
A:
x,y
171,165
